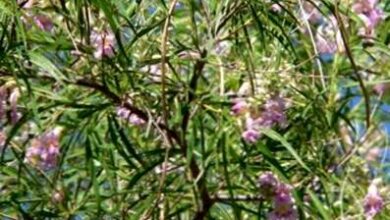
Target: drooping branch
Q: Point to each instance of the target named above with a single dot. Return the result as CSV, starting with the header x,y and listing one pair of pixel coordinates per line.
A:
x,y
108,94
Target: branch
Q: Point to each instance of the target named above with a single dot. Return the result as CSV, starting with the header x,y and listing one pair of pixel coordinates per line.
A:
x,y
354,66
164,104
110,95
206,200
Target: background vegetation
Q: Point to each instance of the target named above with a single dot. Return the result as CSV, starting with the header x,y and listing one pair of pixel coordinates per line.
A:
x,y
194,109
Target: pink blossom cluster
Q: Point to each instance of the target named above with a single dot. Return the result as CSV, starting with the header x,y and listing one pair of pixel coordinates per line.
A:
x,y
239,107
44,150
311,13
328,38
42,21
268,184
127,115
325,45
11,96
104,43
371,15
273,113
381,88
373,202
280,195
326,33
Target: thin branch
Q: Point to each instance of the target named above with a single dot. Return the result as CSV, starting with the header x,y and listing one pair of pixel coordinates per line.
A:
x,y
318,61
353,63
164,106
164,60
110,95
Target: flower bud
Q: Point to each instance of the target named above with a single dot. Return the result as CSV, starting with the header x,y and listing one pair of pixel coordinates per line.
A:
x,y
373,202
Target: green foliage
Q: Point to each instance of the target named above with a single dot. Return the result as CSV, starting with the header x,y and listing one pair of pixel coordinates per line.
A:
x,y
178,68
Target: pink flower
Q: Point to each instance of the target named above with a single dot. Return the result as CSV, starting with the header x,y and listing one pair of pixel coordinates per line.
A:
x,y
370,14
3,101
44,150
311,13
272,114
251,123
371,21
13,100
26,3
280,193
122,112
126,114
373,202
289,214
154,71
381,88
325,45
276,8
103,44
283,204
375,16
274,111
364,6
251,136
268,184
239,107
12,96
135,120
2,139
283,195
43,22
222,47
373,154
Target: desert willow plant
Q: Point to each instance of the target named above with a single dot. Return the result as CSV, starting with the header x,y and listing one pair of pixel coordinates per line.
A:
x,y
193,109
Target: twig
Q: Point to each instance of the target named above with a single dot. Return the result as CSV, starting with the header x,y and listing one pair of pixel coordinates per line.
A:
x,y
164,107
353,150
318,61
354,66
164,59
